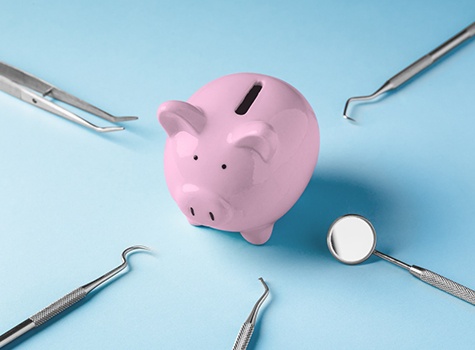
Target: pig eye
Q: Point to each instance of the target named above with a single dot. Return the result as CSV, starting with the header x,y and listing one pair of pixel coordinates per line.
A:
x,y
195,157
224,166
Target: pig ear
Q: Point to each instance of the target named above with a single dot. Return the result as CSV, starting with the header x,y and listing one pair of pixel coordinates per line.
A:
x,y
176,116
258,136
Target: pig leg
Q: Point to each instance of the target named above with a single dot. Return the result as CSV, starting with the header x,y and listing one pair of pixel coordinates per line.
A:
x,y
259,235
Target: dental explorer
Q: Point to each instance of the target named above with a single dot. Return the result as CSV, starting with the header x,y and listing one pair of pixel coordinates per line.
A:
x,y
65,302
416,67
245,333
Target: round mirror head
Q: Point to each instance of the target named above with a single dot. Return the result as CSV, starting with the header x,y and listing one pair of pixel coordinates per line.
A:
x,y
351,239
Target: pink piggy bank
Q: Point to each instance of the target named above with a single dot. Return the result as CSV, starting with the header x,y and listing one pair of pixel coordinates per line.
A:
x,y
239,153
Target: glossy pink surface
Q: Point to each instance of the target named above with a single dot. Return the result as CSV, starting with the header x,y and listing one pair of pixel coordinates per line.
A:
x,y
239,172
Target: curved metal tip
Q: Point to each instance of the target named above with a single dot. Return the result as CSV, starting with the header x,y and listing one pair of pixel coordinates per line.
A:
x,y
104,129
133,248
108,128
97,282
356,98
346,108
386,87
253,315
137,247
265,285
349,118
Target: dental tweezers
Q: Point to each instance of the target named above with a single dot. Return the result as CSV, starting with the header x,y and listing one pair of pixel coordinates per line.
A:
x,y
21,84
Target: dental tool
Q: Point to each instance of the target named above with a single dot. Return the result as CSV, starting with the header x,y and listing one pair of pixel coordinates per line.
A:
x,y
416,67
351,239
21,85
245,333
65,302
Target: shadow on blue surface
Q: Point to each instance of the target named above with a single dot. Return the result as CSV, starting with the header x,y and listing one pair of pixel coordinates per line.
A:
x,y
327,197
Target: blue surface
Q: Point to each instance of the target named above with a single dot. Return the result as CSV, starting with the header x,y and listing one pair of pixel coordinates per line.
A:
x,y
71,200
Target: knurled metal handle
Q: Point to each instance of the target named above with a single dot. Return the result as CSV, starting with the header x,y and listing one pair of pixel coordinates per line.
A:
x,y
244,336
444,284
58,306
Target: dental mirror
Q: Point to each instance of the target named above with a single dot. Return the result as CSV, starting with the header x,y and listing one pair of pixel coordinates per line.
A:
x,y
351,239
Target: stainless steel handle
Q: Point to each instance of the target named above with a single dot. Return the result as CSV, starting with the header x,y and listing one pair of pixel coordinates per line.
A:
x,y
43,316
16,331
244,336
406,74
69,299
425,61
58,306
444,284
453,42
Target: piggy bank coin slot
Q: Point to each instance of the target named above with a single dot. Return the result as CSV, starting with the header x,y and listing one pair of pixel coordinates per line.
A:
x,y
249,99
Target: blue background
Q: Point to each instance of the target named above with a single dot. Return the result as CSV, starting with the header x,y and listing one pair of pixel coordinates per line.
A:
x,y
71,200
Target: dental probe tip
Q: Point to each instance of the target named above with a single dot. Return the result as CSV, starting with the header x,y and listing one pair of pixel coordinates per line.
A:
x,y
349,118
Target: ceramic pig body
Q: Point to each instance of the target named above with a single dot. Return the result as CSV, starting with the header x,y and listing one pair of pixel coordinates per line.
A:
x,y
240,153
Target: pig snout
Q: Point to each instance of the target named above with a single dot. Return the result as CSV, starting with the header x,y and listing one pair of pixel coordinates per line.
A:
x,y
203,207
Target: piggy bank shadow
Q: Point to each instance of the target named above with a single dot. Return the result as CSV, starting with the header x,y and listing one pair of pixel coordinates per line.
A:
x,y
304,228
